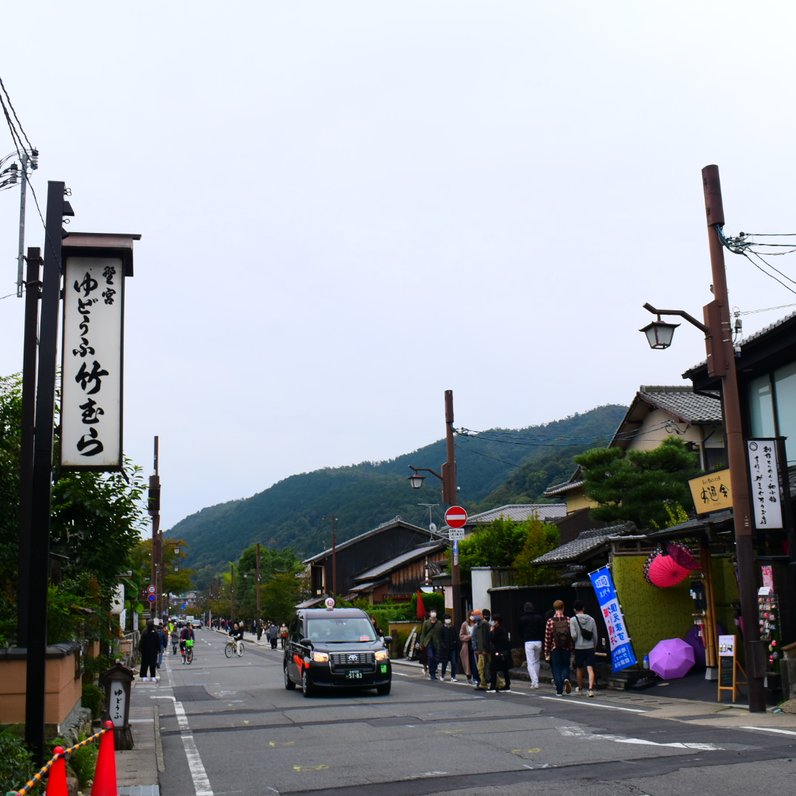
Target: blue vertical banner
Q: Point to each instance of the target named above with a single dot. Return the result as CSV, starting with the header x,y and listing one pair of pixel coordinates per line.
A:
x,y
622,654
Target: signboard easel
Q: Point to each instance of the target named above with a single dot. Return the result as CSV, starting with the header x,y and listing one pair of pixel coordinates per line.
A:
x,y
729,668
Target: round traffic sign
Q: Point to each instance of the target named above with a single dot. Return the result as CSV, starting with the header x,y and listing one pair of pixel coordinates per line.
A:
x,y
151,588
152,598
456,517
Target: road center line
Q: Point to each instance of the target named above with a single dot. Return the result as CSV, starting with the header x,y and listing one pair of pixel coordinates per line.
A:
x,y
201,782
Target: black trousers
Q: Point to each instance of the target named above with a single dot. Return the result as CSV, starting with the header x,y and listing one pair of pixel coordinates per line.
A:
x,y
500,663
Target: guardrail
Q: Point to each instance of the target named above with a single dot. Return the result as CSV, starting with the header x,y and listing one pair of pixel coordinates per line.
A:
x,y
54,770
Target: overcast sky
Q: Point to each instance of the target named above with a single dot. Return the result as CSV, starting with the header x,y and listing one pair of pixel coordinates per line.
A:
x,y
347,208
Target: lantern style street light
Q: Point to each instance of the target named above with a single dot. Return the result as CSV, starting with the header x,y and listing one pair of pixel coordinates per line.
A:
x,y
721,364
449,493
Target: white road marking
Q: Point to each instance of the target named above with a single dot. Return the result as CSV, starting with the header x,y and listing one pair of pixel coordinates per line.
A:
x,y
578,732
201,782
596,705
770,729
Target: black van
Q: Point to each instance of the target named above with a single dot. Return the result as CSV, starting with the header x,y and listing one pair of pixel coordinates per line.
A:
x,y
331,648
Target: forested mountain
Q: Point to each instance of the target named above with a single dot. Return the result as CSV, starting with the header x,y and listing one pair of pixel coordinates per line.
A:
x,y
495,467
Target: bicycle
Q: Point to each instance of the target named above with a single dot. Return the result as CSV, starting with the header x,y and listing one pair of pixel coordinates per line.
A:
x,y
233,647
189,651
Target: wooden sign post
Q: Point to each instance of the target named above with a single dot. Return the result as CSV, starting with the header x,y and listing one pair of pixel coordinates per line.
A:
x,y
729,668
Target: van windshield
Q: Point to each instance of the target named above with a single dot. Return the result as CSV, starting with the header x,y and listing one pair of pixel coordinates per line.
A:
x,y
332,630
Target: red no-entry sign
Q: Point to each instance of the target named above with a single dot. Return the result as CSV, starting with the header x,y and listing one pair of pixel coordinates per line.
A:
x,y
456,517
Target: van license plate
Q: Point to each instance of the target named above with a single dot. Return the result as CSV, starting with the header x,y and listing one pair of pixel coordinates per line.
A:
x,y
353,675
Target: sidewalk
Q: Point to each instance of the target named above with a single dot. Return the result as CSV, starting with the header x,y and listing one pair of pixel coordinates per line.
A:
x,y
657,703
137,768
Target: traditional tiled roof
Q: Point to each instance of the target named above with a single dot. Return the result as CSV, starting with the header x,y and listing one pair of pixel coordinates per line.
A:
x,y
411,555
567,486
683,403
378,529
519,512
586,542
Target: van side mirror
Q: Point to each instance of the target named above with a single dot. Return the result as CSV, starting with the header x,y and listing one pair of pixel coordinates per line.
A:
x,y
306,642
387,640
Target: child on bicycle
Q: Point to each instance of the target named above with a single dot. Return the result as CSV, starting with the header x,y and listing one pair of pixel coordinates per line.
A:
x,y
185,634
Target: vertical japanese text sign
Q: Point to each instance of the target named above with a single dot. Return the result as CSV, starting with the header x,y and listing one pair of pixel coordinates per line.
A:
x,y
95,267
764,475
622,654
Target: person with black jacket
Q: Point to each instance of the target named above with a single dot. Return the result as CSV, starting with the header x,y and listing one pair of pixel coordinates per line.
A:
x,y
483,649
501,654
448,647
532,627
149,647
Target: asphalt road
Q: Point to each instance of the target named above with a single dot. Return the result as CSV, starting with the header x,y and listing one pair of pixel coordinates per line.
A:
x,y
230,727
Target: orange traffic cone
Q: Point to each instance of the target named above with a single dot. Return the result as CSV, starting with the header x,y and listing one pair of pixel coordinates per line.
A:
x,y
105,773
56,780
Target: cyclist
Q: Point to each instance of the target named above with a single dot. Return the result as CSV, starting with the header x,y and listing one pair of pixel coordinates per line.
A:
x,y
236,631
185,634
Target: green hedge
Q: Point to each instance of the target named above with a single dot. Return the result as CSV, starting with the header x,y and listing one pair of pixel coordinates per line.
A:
x,y
16,762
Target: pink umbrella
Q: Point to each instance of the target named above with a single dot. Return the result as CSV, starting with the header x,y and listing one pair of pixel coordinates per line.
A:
x,y
666,567
671,658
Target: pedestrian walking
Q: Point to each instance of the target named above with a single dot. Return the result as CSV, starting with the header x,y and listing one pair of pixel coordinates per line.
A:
x,y
483,648
466,647
532,629
449,647
430,641
558,648
283,634
149,646
272,634
164,640
583,630
501,655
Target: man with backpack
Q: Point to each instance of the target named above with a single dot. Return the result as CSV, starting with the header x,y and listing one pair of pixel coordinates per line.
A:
x,y
583,630
558,648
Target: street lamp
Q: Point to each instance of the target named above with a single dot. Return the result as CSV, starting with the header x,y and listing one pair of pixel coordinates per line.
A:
x,y
449,491
721,364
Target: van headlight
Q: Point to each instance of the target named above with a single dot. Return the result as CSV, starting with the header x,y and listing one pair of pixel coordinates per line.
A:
x,y
382,655
320,657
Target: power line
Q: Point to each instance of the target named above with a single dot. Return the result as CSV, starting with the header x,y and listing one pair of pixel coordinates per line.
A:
x,y
749,256
11,105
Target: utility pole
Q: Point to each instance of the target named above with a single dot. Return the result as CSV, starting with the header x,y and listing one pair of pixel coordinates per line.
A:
x,y
40,504
153,506
231,592
33,160
721,363
32,289
257,582
449,497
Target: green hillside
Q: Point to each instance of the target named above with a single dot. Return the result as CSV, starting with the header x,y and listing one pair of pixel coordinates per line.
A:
x,y
495,467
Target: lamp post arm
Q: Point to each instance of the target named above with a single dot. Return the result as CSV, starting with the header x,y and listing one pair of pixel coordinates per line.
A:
x,y
425,470
682,314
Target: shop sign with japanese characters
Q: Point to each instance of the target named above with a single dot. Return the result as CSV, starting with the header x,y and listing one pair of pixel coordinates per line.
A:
x,y
711,492
764,477
91,390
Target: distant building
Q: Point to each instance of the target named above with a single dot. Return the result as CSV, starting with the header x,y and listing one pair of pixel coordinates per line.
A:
x,y
389,560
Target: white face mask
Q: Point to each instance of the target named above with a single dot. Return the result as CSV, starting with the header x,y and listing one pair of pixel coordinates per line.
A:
x,y
433,615
447,621
472,619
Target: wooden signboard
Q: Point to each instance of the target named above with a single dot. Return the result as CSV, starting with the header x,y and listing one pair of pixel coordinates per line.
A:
x,y
729,667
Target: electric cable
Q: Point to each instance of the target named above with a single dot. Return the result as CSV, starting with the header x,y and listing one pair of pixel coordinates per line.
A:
x,y
11,105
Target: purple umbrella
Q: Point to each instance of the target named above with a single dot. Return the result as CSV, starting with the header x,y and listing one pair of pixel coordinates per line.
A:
x,y
671,658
